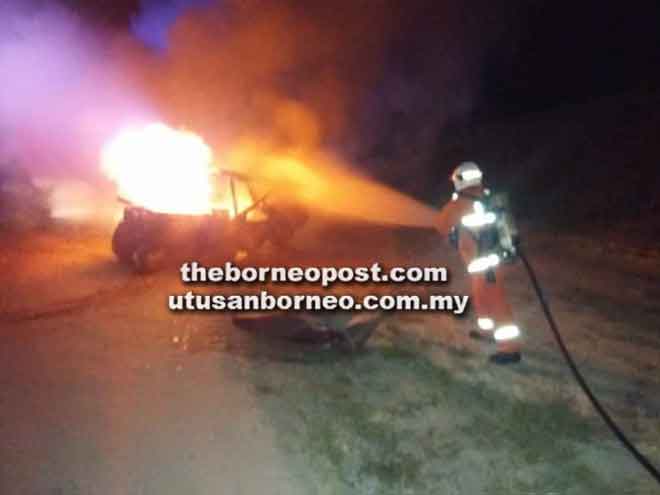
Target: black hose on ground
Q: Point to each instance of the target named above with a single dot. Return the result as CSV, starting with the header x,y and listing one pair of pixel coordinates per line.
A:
x,y
643,460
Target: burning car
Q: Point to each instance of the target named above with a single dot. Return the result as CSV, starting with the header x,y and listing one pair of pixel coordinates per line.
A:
x,y
240,222
179,205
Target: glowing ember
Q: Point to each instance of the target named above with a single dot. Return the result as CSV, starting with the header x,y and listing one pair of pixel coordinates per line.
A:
x,y
162,169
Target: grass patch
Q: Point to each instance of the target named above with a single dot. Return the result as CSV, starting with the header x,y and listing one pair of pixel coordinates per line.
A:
x,y
392,421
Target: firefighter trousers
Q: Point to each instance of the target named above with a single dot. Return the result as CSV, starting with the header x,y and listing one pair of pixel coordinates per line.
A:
x,y
494,315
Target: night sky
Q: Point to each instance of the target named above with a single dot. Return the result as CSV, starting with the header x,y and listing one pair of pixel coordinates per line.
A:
x,y
573,51
539,53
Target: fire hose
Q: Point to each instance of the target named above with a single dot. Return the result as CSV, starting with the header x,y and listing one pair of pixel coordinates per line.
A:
x,y
616,430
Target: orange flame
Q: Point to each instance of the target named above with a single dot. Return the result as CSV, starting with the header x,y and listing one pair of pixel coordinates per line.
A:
x,y
171,171
162,169
323,183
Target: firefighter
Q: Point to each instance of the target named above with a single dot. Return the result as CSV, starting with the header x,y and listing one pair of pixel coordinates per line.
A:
x,y
467,223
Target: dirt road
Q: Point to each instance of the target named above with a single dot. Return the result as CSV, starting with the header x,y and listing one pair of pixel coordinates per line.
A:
x,y
103,390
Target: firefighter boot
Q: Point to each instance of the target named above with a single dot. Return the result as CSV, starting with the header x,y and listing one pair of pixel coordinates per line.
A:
x,y
505,357
507,339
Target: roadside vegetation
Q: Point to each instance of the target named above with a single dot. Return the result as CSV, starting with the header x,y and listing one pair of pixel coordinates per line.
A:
x,y
409,417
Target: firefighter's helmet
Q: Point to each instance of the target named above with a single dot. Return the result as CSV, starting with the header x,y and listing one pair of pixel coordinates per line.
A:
x,y
467,174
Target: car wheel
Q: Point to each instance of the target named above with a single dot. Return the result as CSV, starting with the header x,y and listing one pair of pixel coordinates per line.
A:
x,y
147,260
125,241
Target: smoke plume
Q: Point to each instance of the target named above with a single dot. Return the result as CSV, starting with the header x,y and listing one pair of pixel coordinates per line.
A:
x,y
62,94
371,82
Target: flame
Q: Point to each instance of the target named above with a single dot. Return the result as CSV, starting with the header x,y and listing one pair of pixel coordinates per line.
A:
x,y
162,169
324,183
170,171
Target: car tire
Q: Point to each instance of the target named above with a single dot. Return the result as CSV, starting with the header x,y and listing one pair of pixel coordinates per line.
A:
x,y
147,260
125,241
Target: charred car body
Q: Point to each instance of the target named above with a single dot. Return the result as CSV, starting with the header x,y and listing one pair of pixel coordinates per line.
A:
x,y
240,222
